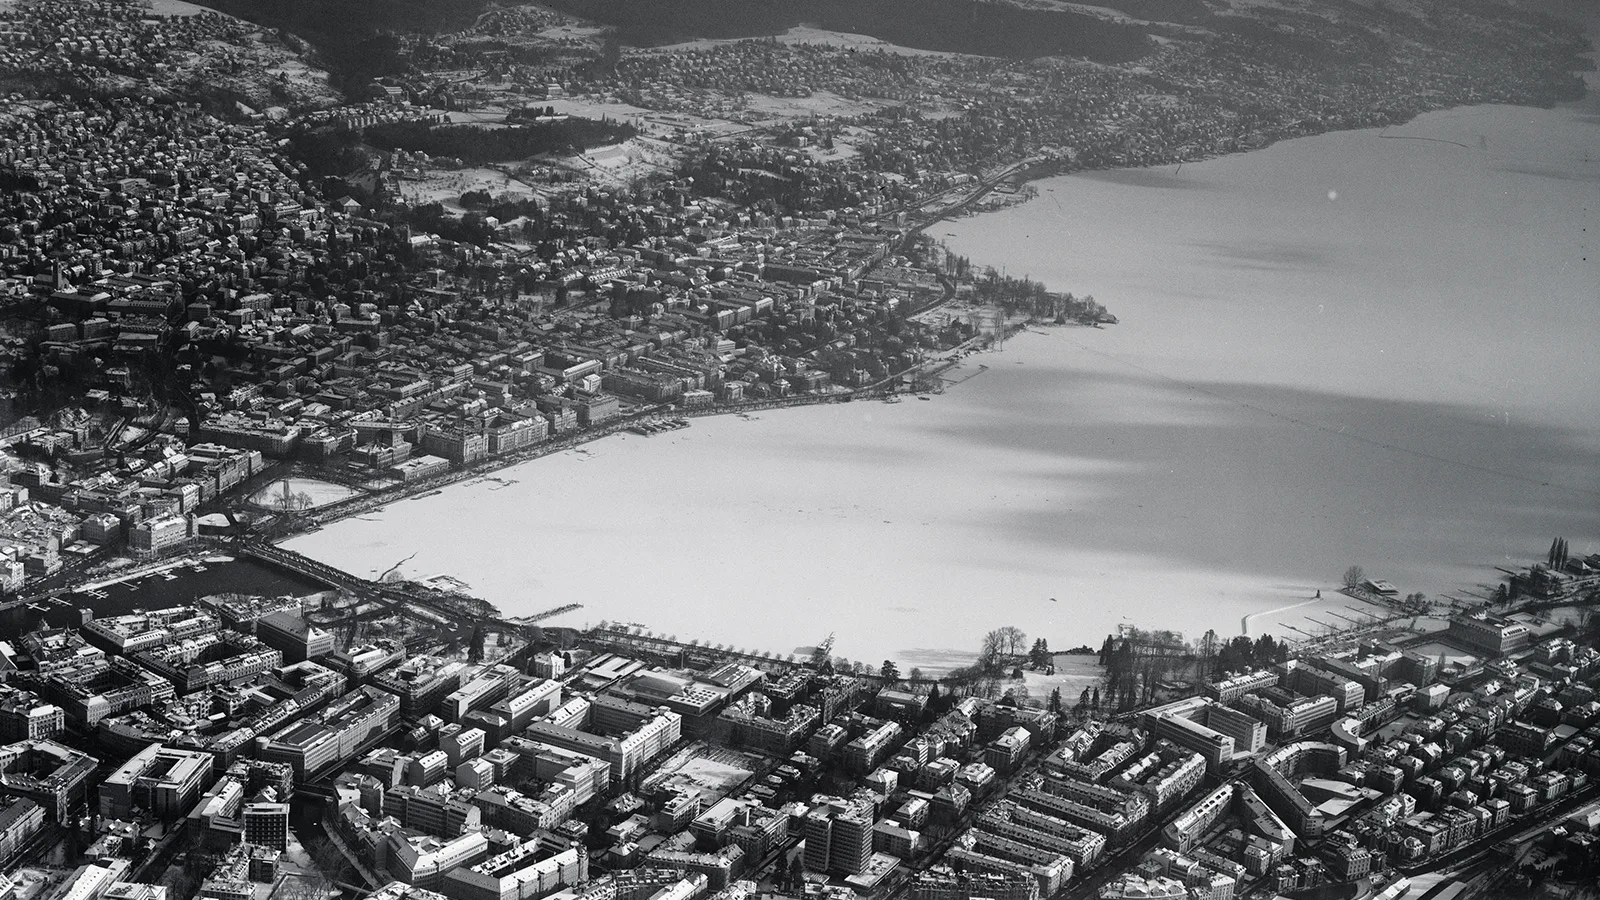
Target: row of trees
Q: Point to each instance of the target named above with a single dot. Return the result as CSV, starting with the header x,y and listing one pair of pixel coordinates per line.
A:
x,y
1559,553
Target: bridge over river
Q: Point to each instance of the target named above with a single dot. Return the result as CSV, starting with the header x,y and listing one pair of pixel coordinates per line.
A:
x,y
445,607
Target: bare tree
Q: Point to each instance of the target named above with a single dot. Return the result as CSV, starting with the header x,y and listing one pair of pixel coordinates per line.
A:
x,y
1014,640
1353,576
994,644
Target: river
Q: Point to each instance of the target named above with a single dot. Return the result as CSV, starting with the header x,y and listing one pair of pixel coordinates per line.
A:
x,y
1372,348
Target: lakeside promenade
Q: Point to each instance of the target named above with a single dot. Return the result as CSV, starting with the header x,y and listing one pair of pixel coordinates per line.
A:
x,y
286,526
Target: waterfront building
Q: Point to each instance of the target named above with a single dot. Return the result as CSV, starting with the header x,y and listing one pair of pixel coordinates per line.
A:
x,y
1490,633
131,633
419,468
153,537
242,612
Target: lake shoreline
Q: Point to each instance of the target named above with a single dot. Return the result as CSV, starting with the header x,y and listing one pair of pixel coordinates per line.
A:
x,y
918,619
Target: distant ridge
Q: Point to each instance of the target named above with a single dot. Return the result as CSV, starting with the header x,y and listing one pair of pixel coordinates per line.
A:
x,y
961,26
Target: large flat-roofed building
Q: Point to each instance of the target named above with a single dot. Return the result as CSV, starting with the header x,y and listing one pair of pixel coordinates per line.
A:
x,y
425,860
482,688
1489,632
421,683
315,743
1295,717
1216,747
516,710
626,754
1231,689
1248,733
361,663
290,633
159,780
140,631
